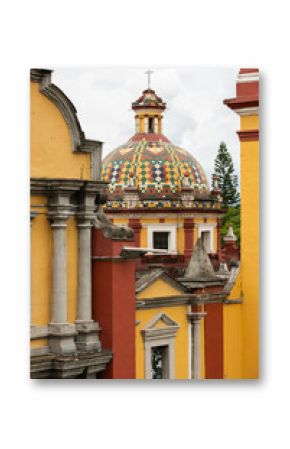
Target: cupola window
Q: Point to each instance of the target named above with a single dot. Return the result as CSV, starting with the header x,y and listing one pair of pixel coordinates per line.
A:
x,y
151,125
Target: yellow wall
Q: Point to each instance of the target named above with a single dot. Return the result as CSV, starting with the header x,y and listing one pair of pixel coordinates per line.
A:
x,y
250,249
159,288
241,321
233,335
51,153
51,156
41,269
179,231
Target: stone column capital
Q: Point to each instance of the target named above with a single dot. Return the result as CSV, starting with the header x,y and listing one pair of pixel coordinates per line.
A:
x,y
59,207
196,316
85,221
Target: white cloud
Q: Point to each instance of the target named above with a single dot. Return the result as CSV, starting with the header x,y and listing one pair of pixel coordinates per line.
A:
x,y
196,118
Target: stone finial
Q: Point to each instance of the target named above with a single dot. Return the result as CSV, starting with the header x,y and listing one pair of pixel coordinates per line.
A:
x,y
223,271
216,191
215,182
230,236
199,267
131,181
185,181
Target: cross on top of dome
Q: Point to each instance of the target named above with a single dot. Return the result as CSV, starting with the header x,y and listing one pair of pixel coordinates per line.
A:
x,y
148,73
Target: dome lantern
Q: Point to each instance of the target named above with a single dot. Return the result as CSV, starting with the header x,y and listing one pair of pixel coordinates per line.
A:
x,y
148,110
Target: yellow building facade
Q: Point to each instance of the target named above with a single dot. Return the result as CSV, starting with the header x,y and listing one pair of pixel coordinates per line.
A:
x,y
65,188
242,321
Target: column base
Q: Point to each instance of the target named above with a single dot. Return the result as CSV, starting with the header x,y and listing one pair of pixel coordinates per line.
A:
x,y
88,336
61,338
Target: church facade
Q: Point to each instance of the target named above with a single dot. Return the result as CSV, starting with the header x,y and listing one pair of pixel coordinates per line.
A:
x,y
140,291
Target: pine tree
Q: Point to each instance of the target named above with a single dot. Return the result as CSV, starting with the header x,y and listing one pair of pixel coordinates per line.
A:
x,y
227,180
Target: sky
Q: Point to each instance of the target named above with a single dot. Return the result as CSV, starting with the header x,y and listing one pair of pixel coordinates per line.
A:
x,y
195,119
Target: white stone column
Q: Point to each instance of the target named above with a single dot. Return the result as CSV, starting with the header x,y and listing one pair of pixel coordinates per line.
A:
x,y
156,125
195,319
61,333
145,124
88,330
137,128
84,271
59,281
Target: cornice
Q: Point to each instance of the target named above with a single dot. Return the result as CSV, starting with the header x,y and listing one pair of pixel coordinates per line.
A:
x,y
248,135
69,113
155,210
240,103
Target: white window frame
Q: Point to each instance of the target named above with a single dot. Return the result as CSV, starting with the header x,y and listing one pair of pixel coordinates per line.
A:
x,y
153,337
171,229
207,227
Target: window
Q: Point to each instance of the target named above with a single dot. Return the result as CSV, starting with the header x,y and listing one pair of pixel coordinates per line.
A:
x,y
159,362
160,240
205,238
206,232
162,236
151,125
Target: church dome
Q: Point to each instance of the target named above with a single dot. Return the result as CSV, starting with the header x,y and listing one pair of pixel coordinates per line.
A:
x,y
156,167
150,163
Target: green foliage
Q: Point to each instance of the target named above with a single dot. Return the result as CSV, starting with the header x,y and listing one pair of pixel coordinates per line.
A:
x,y
227,180
232,217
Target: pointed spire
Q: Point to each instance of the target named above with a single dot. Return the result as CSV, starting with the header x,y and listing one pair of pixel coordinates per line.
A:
x,y
199,267
230,236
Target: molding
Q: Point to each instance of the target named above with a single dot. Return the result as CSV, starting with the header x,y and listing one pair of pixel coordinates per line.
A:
x,y
248,135
248,77
247,111
36,352
154,303
248,105
233,301
50,366
79,142
196,316
38,332
158,215
139,211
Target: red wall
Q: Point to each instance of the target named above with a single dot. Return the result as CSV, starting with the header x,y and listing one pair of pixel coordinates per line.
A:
x,y
114,304
213,333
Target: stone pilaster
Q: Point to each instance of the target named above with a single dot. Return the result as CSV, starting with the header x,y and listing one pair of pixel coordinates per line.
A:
x,y
88,330
195,319
61,333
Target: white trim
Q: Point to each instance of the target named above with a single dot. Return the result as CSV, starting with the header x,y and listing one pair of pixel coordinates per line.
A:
x,y
172,247
248,77
207,227
247,111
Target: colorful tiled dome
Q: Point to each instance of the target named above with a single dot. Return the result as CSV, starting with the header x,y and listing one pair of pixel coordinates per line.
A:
x,y
154,165
150,163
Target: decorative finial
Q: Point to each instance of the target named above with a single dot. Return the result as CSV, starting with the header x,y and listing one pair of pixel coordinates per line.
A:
x,y
148,73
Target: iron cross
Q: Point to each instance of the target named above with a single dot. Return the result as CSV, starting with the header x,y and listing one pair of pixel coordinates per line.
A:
x,y
148,73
